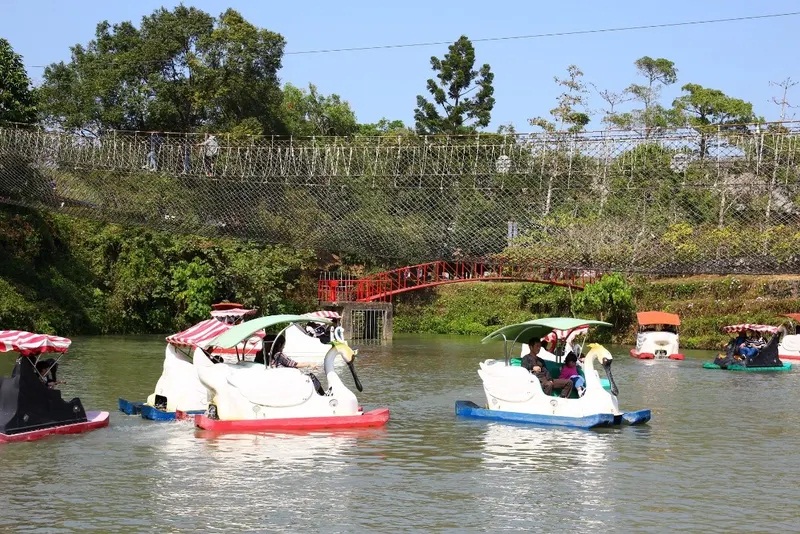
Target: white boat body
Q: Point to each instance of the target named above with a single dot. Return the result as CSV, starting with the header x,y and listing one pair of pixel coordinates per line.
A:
x,y
514,389
179,383
789,348
248,391
660,344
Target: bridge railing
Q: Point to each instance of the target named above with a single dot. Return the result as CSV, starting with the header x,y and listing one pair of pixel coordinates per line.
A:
x,y
345,287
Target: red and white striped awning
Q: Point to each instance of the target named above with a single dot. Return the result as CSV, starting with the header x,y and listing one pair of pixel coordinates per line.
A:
x,y
325,314
233,312
30,344
763,328
199,334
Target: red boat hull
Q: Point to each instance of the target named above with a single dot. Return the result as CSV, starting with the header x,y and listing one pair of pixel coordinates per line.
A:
x,y
94,421
790,358
651,356
373,418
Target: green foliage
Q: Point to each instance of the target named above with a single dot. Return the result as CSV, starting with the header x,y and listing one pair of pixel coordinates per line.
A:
x,y
179,70
710,111
457,78
308,113
609,299
71,276
17,99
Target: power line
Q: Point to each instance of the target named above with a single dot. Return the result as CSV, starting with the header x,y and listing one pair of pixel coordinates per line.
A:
x,y
542,35
521,37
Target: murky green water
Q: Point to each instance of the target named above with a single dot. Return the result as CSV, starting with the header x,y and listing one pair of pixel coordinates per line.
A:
x,y
720,454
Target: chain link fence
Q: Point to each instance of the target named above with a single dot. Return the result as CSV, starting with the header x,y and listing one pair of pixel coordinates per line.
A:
x,y
710,201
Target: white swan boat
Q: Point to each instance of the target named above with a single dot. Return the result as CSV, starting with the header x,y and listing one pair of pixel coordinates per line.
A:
x,y
249,396
310,342
513,394
178,390
657,336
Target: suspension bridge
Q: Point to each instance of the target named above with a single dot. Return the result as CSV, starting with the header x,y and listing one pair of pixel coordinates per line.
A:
x,y
678,202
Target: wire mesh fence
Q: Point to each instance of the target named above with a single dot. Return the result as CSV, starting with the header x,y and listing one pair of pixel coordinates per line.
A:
x,y
686,201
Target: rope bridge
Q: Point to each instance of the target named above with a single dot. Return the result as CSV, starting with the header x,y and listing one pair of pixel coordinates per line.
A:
x,y
714,201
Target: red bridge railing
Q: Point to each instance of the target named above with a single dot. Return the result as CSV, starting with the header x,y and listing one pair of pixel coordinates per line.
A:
x,y
344,287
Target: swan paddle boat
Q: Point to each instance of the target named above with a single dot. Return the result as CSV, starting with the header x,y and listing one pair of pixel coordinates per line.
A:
x,y
254,397
31,407
765,360
657,336
515,395
178,391
789,347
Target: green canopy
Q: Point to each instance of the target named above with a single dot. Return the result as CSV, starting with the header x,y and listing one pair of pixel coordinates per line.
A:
x,y
539,328
245,330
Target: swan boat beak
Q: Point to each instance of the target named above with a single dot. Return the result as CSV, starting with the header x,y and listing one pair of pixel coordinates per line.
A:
x,y
607,369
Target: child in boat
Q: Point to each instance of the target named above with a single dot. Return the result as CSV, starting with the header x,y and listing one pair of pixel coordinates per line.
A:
x,y
570,372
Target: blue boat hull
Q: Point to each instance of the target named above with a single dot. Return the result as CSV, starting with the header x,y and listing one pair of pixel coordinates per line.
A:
x,y
470,409
130,407
154,414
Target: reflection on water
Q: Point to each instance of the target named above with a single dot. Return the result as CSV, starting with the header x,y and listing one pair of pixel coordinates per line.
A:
x,y
514,446
716,440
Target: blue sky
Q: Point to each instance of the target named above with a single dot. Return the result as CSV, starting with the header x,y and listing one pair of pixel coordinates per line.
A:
x,y
740,58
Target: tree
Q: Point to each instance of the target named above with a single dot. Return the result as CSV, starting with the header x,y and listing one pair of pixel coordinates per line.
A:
x,y
652,117
570,115
710,112
181,70
382,127
17,100
786,84
457,78
307,113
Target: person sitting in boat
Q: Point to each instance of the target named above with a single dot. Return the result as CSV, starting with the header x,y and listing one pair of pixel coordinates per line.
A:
x,y
534,364
570,372
739,342
47,372
753,343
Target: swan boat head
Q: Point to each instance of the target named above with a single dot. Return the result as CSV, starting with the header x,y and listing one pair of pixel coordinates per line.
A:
x,y
339,348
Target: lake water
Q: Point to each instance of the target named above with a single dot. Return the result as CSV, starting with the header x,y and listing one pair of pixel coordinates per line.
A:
x,y
720,454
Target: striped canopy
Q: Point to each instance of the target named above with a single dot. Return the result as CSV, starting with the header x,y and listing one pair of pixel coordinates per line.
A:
x,y
763,328
199,334
30,344
326,314
233,312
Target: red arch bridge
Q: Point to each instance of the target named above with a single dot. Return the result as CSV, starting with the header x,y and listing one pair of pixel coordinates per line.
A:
x,y
337,287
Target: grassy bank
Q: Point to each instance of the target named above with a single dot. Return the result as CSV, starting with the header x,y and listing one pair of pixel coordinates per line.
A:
x,y
705,303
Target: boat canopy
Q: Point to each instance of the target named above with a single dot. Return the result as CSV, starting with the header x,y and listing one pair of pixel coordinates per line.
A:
x,y
327,314
658,317
200,334
763,328
232,312
247,329
793,316
31,344
540,328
